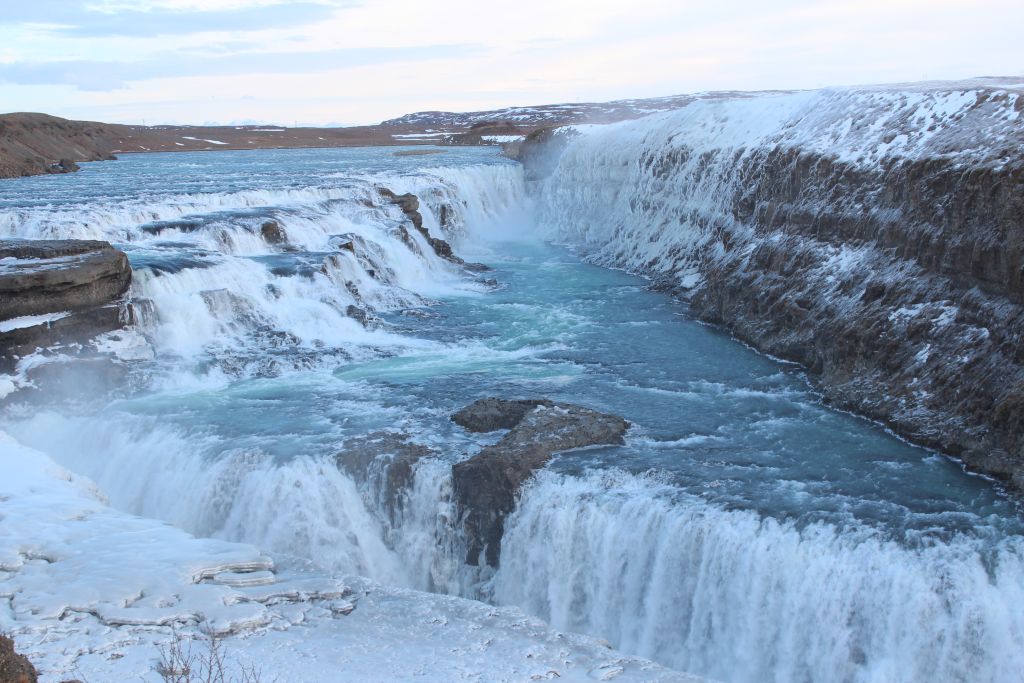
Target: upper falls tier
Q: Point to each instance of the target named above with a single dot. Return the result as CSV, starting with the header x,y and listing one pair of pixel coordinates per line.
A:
x,y
874,235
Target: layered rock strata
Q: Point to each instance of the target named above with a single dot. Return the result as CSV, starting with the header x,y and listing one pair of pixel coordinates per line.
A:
x,y
58,291
875,236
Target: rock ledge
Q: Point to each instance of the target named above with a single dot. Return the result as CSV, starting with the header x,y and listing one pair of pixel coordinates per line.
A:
x,y
485,486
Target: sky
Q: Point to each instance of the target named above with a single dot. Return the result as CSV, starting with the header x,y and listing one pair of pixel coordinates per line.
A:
x,y
361,61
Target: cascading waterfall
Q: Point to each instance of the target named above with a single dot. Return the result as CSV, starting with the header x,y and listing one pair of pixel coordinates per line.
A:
x,y
225,446
740,597
210,291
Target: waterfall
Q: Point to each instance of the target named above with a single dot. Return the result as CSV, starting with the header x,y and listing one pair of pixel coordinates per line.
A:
x,y
744,598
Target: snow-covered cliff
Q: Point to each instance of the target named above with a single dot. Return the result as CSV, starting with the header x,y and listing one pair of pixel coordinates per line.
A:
x,y
875,235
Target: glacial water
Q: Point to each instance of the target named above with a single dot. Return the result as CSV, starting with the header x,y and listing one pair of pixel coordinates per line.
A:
x,y
745,531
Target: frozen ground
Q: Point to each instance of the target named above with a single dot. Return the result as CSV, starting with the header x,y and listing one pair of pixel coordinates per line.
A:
x,y
92,593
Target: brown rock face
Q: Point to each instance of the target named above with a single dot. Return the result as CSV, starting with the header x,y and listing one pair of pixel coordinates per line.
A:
x,y
384,461
14,668
485,486
80,278
925,331
273,233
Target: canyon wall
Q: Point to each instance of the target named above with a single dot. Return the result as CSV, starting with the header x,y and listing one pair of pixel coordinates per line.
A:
x,y
874,235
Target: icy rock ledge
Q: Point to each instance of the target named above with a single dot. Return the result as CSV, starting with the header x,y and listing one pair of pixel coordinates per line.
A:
x,y
89,592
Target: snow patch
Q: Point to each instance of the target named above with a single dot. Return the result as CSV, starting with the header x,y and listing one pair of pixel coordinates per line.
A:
x,y
24,321
212,142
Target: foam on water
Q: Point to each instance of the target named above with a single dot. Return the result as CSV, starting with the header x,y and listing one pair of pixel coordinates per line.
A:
x,y
740,597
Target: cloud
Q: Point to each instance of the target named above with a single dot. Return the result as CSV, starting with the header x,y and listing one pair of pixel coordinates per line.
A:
x,y
103,76
82,20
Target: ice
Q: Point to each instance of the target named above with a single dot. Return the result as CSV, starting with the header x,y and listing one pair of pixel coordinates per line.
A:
x,y
91,592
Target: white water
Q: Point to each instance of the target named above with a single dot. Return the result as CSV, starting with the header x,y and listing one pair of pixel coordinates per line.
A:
x,y
736,596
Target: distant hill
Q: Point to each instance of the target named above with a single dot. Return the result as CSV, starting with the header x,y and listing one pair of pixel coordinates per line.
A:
x,y
546,114
34,144
31,144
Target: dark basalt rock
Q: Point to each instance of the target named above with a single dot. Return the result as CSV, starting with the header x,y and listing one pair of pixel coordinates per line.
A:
x,y
490,414
82,278
273,233
383,462
63,166
485,487
360,315
59,275
410,206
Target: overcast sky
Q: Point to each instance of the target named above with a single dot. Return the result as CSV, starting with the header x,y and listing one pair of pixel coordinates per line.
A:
x,y
361,61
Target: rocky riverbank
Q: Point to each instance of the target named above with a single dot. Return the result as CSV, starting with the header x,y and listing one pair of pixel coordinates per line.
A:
x,y
886,258
58,292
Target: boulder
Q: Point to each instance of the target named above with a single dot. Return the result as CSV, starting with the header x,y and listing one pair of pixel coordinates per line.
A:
x,y
14,668
63,166
490,414
383,462
485,487
272,233
59,291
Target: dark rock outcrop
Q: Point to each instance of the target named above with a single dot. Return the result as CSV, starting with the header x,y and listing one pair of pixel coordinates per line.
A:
x,y
64,166
410,206
14,668
383,462
73,286
921,326
273,233
491,414
485,486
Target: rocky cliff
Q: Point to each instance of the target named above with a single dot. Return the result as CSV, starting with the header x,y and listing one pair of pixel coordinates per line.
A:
x,y
874,235
58,291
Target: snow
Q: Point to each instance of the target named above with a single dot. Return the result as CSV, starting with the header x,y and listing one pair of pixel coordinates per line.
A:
x,y
24,321
90,592
546,114
212,142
